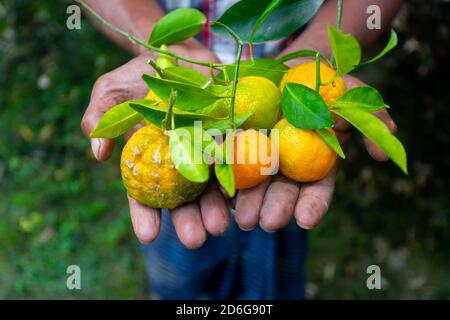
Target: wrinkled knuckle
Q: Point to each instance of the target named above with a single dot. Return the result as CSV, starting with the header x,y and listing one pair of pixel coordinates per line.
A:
x,y
86,123
104,83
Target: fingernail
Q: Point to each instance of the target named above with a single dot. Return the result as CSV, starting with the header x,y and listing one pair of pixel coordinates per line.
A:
x,y
303,226
96,145
261,225
246,229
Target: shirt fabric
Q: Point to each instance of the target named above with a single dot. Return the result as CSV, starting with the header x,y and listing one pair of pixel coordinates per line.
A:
x,y
224,48
239,264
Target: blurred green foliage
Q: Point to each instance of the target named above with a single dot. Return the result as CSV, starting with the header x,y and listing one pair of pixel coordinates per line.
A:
x,y
57,205
60,207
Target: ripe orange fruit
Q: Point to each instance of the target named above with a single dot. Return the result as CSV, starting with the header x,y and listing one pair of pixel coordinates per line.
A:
x,y
252,161
305,74
148,173
304,157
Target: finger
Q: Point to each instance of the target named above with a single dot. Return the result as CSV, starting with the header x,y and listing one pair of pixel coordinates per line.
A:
x,y
248,205
374,151
214,211
279,203
352,82
188,225
130,132
121,84
101,148
146,221
314,200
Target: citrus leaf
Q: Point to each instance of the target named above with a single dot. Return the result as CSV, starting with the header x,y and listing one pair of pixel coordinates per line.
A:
x,y
346,50
284,20
366,98
164,61
189,97
198,114
265,67
204,142
187,159
156,116
392,43
225,176
269,9
224,124
331,140
297,54
218,110
304,108
116,121
176,26
374,129
185,75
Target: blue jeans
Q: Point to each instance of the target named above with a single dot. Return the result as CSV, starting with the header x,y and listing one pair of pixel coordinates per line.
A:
x,y
237,265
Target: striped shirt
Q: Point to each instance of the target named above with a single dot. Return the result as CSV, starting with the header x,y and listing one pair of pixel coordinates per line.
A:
x,y
224,48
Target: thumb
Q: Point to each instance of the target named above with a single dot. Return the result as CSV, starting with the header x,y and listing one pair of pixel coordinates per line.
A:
x,y
101,148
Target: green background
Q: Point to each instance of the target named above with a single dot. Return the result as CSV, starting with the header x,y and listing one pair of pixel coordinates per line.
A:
x,y
59,207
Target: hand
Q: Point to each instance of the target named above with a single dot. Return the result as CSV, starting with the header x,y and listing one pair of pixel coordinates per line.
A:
x,y
191,221
273,203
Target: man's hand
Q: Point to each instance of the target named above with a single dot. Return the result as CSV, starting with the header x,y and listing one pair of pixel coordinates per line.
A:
x,y
273,203
192,221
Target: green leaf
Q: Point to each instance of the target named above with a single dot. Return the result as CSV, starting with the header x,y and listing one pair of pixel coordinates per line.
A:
x,y
116,121
265,67
185,75
164,61
392,43
284,20
155,113
269,9
189,97
304,108
225,176
346,50
187,160
366,98
331,140
156,116
374,129
163,108
204,142
176,26
224,124
298,54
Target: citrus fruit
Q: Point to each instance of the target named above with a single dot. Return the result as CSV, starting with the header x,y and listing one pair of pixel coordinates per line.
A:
x,y
148,173
152,96
305,74
252,162
261,96
304,157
